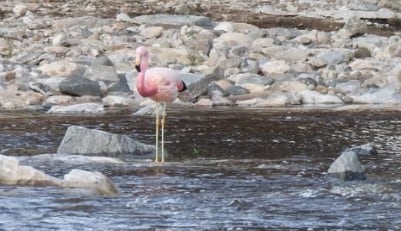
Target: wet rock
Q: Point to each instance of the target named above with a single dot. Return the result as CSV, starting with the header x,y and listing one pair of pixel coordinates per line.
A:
x,y
364,150
77,178
347,167
11,172
83,108
71,160
78,86
81,140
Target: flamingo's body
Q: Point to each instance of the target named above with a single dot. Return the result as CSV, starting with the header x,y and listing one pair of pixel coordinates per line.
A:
x,y
160,84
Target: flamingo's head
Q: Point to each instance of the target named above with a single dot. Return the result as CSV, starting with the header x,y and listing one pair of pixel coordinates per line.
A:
x,y
141,53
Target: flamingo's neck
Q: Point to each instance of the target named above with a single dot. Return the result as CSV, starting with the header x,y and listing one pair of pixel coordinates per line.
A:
x,y
143,87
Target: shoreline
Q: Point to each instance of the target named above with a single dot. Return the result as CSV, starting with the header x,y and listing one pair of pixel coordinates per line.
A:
x,y
247,55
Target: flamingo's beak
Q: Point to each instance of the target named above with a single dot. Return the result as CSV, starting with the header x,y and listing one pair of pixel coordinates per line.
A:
x,y
138,64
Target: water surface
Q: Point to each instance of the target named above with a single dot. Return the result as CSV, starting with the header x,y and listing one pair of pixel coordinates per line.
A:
x,y
228,169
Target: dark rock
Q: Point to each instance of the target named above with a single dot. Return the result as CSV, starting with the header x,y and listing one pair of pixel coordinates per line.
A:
x,y
236,90
78,86
200,87
120,86
311,83
347,167
250,65
362,52
212,87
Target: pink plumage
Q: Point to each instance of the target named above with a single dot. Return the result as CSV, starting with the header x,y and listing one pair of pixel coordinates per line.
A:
x,y
160,84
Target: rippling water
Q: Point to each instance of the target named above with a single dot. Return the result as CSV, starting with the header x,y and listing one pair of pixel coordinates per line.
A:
x,y
228,169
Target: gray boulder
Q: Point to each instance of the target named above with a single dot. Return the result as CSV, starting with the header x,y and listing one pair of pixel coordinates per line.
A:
x,y
200,87
98,72
81,140
96,181
120,86
347,167
78,86
174,21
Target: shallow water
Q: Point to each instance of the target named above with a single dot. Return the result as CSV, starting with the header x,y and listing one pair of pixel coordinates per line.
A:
x,y
228,169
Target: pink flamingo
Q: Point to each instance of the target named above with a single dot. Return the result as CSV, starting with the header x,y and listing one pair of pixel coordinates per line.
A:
x,y
161,85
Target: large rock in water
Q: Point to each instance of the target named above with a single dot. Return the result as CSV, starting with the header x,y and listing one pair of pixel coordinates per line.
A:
x,y
347,167
81,140
12,173
102,185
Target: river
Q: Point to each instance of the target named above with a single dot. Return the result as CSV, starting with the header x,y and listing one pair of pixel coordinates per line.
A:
x,y
227,169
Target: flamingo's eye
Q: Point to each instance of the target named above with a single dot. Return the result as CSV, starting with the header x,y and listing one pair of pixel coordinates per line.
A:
x,y
138,68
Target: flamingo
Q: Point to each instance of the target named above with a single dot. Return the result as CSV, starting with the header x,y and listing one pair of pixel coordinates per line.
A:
x,y
160,84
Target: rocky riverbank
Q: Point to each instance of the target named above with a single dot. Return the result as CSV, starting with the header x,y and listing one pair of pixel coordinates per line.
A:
x,y
76,56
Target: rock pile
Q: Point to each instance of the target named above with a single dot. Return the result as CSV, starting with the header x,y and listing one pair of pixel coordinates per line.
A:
x,y
49,61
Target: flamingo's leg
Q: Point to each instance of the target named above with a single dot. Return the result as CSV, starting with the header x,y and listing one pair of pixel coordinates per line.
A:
x,y
157,131
162,124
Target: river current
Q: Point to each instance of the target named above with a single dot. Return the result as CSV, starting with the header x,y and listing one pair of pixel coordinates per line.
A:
x,y
227,169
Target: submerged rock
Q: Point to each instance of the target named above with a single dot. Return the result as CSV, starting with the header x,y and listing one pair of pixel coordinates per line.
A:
x,y
347,167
